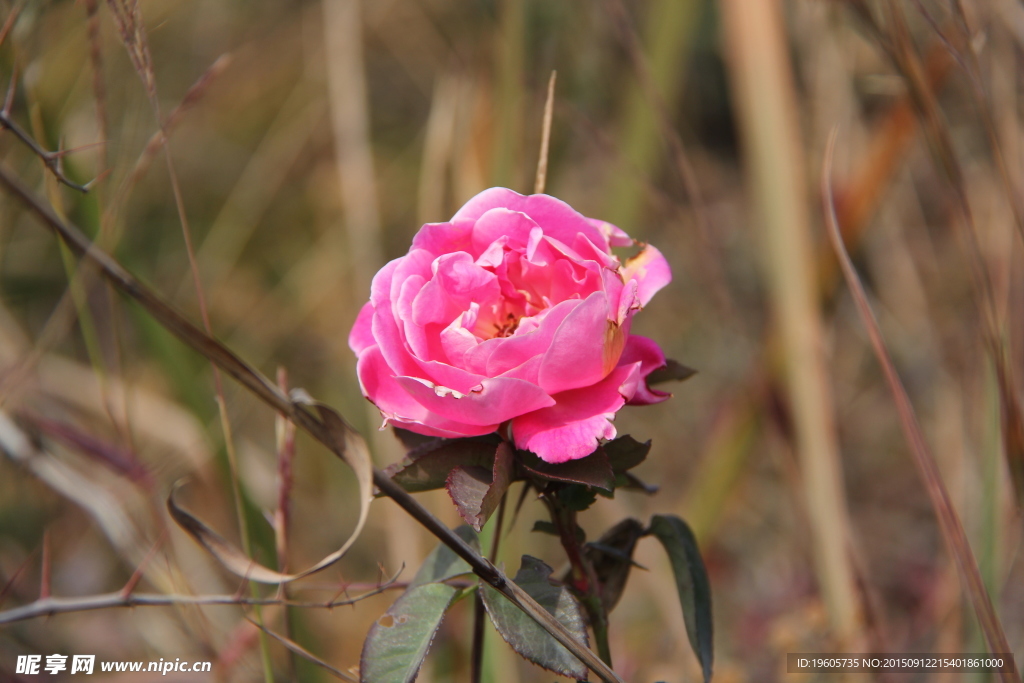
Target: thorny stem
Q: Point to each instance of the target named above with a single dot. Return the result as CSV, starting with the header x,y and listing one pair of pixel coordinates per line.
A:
x,y
583,579
477,656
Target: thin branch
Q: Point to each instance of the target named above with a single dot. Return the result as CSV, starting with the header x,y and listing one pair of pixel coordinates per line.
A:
x,y
50,159
45,607
9,22
175,323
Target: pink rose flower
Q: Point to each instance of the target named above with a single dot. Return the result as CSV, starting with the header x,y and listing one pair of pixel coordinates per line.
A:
x,y
516,309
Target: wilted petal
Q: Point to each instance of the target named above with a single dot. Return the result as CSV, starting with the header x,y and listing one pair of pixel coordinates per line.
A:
x,y
650,270
616,236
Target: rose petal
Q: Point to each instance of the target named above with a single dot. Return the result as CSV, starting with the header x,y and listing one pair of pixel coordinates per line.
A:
x,y
650,356
361,336
572,427
503,354
444,238
391,342
584,349
495,224
497,400
651,271
377,381
615,235
558,219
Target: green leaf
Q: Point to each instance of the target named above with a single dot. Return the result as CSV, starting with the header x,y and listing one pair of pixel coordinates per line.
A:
x,y
397,643
612,559
593,470
427,467
524,634
412,440
625,453
443,564
577,497
628,480
545,527
673,371
691,582
476,492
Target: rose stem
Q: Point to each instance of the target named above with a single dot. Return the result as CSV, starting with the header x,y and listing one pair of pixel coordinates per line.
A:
x,y
584,582
476,665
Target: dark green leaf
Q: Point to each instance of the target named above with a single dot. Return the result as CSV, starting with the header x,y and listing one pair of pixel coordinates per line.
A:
x,y
428,466
412,440
691,582
577,497
673,371
397,643
442,563
612,558
593,470
476,492
545,527
524,634
628,480
625,453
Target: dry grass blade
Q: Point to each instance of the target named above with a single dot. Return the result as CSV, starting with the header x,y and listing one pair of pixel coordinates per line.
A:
x,y
160,137
302,652
354,452
269,393
545,137
949,522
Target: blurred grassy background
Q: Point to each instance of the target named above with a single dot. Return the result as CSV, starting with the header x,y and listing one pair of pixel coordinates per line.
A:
x,y
336,128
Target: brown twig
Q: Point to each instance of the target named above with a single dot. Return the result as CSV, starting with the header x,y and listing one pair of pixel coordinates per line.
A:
x,y
175,323
50,606
949,522
52,160
12,16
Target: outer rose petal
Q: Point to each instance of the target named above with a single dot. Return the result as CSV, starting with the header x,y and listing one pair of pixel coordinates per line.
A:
x,y
396,405
571,428
361,336
616,235
650,269
558,219
646,352
497,400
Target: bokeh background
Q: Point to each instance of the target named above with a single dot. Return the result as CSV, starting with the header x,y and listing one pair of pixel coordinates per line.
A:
x,y
310,140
